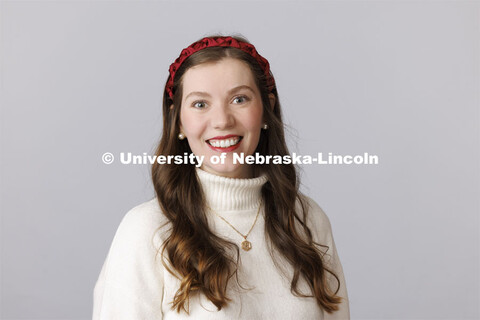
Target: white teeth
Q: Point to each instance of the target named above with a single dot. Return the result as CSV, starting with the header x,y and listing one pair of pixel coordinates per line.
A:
x,y
224,143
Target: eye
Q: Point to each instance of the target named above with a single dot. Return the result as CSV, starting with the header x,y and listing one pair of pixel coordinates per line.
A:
x,y
240,99
199,104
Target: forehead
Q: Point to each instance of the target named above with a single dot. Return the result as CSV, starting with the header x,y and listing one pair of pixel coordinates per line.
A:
x,y
218,77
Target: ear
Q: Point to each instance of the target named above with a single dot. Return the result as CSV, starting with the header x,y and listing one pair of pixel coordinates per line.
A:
x,y
272,98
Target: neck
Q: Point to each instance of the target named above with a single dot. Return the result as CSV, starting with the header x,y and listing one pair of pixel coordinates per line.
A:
x,y
231,194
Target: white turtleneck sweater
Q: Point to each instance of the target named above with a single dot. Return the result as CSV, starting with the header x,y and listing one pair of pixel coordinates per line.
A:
x,y
134,285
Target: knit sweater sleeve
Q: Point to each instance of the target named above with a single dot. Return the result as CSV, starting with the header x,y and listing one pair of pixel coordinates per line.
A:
x,y
130,285
322,233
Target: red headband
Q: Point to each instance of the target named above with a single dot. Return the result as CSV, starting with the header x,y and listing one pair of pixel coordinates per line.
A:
x,y
218,42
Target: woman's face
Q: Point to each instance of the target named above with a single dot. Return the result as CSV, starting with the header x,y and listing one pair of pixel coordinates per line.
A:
x,y
221,112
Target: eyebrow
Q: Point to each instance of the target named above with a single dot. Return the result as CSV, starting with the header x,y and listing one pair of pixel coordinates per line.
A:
x,y
205,94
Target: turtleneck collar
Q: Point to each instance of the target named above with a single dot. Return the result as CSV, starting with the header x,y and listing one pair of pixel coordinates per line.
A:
x,y
231,194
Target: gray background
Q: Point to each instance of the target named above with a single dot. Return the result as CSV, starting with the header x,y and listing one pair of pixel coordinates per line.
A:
x,y
396,79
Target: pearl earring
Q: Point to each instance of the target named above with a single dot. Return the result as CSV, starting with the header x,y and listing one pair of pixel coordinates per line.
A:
x,y
181,136
265,126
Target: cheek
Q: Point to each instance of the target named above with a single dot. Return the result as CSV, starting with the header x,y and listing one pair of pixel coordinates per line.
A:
x,y
190,125
254,120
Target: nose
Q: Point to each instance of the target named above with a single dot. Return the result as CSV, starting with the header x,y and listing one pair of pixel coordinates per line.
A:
x,y
222,117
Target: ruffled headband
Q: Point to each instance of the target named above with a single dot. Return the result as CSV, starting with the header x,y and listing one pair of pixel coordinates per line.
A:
x,y
208,42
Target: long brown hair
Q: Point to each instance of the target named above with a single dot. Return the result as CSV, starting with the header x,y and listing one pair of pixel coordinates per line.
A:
x,y
200,258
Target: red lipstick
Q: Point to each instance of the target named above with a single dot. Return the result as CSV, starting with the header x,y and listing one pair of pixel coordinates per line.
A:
x,y
228,149
224,137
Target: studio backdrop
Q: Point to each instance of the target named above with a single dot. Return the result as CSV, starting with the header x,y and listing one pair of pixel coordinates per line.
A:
x,y
394,79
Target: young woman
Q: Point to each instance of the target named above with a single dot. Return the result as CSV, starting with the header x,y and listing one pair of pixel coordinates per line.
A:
x,y
223,239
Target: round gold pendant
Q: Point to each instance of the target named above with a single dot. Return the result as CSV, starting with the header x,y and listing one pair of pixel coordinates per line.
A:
x,y
246,245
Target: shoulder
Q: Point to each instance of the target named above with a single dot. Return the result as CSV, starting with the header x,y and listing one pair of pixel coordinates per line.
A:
x,y
317,220
315,214
144,214
137,241
141,223
130,282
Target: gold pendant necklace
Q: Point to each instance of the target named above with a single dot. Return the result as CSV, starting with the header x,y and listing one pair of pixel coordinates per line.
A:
x,y
246,245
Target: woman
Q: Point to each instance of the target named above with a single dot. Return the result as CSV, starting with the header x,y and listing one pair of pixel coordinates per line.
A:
x,y
222,239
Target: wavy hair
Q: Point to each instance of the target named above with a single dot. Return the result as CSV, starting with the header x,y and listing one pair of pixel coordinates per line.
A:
x,y
199,258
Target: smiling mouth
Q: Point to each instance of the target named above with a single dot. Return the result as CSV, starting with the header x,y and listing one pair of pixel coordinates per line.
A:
x,y
225,143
